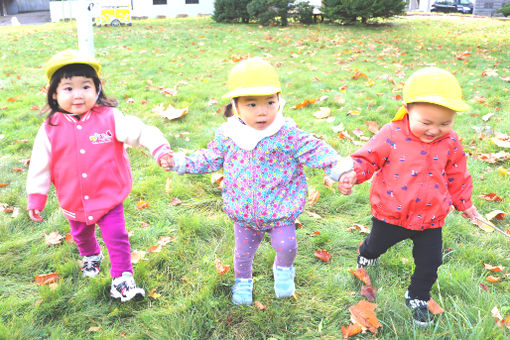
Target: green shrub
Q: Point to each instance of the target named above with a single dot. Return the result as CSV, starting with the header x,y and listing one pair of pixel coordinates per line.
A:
x,y
350,11
505,10
270,11
231,11
303,13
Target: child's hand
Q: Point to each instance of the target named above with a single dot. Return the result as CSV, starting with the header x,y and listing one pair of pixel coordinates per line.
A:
x,y
167,161
470,213
34,215
346,182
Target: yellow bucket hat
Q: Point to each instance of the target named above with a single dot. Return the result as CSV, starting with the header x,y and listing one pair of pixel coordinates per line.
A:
x,y
432,85
69,57
252,77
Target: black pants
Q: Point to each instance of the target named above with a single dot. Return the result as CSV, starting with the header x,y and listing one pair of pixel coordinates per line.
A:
x,y
427,252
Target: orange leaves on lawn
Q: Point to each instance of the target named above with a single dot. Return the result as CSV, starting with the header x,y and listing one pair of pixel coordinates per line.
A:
x,y
175,201
501,140
53,238
498,268
491,197
493,158
497,214
47,279
323,255
3,185
259,305
358,75
372,126
12,99
479,99
362,274
221,268
362,228
305,103
499,319
363,318
152,294
217,178
170,112
492,279
462,55
69,238
313,196
137,255
154,249
142,205
368,292
163,240
434,308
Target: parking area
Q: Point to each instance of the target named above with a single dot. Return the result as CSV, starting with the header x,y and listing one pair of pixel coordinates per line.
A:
x,y
31,18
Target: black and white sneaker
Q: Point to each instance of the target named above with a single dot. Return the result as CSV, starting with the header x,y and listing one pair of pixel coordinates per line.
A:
x,y
125,289
363,262
421,314
91,265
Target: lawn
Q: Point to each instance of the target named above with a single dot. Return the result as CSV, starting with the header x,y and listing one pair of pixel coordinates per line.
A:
x,y
358,73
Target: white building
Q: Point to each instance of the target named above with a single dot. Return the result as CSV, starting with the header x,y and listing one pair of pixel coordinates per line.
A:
x,y
61,10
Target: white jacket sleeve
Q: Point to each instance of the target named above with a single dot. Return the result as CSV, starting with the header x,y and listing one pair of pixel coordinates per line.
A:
x,y
39,177
132,131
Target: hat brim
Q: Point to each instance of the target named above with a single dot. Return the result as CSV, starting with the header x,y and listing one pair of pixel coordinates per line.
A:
x,y
51,70
252,91
453,104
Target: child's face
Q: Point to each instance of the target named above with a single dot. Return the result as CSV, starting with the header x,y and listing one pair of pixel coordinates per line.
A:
x,y
258,112
76,95
429,122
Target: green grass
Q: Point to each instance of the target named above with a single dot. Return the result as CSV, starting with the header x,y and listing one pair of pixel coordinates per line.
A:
x,y
195,55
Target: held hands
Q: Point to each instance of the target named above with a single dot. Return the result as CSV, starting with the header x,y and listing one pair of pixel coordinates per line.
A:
x,y
35,215
470,213
167,161
346,182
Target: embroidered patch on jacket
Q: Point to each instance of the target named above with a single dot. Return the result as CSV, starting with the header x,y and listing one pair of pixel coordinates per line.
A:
x,y
101,138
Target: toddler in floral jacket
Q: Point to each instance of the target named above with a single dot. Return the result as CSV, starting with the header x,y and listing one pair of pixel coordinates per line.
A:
x,y
262,154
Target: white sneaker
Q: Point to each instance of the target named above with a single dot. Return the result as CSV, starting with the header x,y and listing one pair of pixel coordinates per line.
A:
x,y
91,265
125,289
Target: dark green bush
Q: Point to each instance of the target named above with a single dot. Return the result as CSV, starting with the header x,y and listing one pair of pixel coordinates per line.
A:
x,y
303,12
505,10
231,11
270,11
351,11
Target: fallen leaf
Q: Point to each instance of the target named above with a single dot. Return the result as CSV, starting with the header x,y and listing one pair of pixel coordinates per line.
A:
x,y
484,287
498,268
479,99
170,112
350,330
17,169
94,328
490,73
164,240
353,112
152,294
69,238
46,279
372,126
487,116
434,307
53,238
483,226
221,268
175,201
368,292
358,75
154,249
259,305
3,185
491,197
217,178
362,274
12,99
323,113
363,314
298,224
142,205
503,171
328,181
323,255
497,214
314,215
137,255
500,142
361,227
313,196
492,279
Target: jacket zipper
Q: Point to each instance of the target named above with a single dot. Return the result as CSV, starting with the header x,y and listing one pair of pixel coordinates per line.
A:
x,y
254,209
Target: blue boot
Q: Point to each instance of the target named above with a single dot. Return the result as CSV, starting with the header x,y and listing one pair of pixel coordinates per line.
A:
x,y
242,292
284,281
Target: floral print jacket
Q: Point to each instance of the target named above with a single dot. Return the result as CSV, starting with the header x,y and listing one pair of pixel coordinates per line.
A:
x,y
265,187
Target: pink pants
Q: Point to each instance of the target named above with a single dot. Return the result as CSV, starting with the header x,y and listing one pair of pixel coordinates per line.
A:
x,y
283,240
115,237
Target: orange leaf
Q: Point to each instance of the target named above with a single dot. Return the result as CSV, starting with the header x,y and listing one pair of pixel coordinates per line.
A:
x,y
154,249
372,126
323,255
137,255
12,99
35,108
46,279
361,227
142,205
368,292
479,99
362,274
3,185
17,169
397,97
492,279
493,268
69,238
462,55
434,308
164,240
153,294
358,74
363,314
313,196
259,305
221,268
175,201
351,330
491,197
497,214
298,224
53,238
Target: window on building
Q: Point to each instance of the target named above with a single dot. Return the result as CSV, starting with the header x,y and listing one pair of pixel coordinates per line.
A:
x,y
159,2
191,2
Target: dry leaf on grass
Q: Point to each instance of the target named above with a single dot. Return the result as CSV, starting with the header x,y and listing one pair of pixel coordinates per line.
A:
x,y
363,313
46,279
498,268
368,292
362,274
221,268
53,238
137,255
259,305
323,255
434,307
497,214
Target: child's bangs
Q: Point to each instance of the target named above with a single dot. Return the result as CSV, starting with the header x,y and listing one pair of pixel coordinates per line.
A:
x,y
76,70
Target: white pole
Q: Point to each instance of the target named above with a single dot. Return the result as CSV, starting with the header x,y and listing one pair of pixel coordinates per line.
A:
x,y
84,24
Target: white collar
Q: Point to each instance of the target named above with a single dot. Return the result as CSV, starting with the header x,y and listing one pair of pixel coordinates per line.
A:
x,y
247,137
